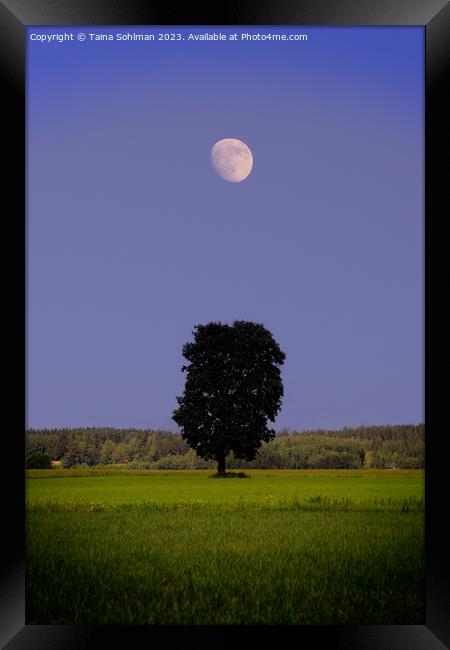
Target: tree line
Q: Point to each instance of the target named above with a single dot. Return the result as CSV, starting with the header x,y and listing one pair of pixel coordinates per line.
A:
x,y
395,446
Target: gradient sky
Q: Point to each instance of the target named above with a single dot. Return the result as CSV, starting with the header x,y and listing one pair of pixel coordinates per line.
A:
x,y
133,238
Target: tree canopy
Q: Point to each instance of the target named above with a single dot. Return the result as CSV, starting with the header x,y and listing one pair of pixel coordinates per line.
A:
x,y
38,460
379,446
233,388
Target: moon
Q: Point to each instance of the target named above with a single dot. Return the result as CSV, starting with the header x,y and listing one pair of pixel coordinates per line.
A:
x,y
232,159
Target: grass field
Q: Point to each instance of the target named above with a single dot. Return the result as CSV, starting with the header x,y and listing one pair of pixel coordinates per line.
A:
x,y
179,547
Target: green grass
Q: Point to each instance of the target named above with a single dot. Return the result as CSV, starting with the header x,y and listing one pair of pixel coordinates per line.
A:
x,y
199,486
285,547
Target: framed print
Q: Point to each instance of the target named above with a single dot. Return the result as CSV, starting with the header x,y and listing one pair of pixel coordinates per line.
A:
x,y
228,246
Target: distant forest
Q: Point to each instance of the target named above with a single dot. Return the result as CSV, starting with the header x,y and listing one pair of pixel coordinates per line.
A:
x,y
388,447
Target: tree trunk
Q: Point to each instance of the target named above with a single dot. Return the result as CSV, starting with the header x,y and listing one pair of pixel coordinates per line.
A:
x,y
221,463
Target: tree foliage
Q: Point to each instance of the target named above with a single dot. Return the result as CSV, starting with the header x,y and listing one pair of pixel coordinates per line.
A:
x,y
384,447
38,460
233,388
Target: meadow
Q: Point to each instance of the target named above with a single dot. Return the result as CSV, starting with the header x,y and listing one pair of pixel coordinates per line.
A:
x,y
180,547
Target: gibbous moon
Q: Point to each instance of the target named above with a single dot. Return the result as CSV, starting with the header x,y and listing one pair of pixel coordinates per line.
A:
x,y
232,159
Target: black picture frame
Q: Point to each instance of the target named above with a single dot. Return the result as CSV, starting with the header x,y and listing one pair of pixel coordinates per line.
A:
x,y
15,16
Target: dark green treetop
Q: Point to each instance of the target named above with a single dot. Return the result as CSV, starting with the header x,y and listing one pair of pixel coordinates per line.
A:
x,y
233,388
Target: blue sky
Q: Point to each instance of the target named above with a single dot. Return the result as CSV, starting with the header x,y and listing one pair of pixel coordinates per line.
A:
x,y
132,238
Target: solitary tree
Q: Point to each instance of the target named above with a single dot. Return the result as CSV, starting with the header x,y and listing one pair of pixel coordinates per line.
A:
x,y
233,387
